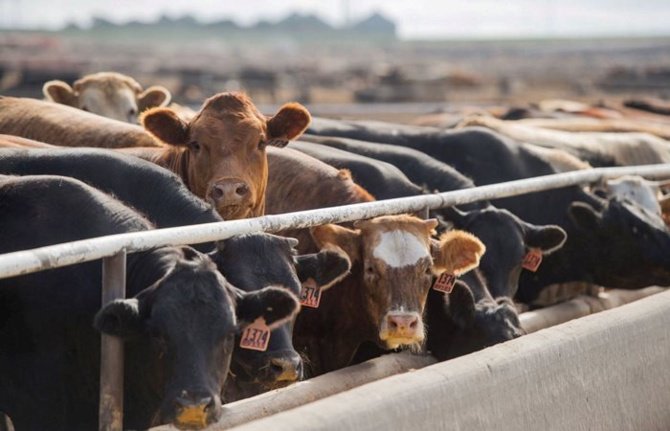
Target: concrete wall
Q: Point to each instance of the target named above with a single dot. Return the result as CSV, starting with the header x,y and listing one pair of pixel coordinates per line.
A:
x,y
606,371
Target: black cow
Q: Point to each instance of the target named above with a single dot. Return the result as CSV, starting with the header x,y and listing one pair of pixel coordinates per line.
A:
x,y
179,321
155,192
381,179
468,319
257,260
610,242
166,201
420,168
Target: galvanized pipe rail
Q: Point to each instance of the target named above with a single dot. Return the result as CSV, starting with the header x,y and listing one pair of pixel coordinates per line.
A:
x,y
113,248
27,261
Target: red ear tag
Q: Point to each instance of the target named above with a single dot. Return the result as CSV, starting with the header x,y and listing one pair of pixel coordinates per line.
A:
x,y
256,336
445,282
310,295
532,260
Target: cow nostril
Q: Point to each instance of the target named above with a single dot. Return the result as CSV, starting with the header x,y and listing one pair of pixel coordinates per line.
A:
x,y
242,190
217,192
413,323
210,405
276,369
393,324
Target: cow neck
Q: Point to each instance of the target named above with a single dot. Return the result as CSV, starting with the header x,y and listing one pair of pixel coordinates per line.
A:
x,y
572,262
348,300
477,284
145,268
177,160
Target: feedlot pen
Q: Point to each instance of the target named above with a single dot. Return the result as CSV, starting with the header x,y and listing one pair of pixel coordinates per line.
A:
x,y
605,371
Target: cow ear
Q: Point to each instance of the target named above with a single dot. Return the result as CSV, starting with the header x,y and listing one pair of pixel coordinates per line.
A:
x,y
332,236
59,92
275,305
120,318
457,217
457,252
547,238
326,267
584,216
462,304
165,125
290,122
154,96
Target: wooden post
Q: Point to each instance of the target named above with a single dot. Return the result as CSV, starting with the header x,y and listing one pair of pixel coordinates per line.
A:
x,y
111,351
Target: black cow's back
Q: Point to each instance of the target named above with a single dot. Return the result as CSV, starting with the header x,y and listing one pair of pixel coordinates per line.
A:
x,y
153,191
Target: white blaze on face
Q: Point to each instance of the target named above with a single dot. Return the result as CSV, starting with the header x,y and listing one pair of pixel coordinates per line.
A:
x,y
400,248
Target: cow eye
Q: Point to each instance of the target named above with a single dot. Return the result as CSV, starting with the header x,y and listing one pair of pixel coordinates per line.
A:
x,y
194,146
132,112
85,108
262,144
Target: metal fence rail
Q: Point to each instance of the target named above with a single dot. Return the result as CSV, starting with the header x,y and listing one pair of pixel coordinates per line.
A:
x,y
112,249
23,262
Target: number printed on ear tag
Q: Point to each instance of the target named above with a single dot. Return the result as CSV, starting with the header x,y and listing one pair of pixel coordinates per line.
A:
x,y
532,260
310,295
445,282
256,336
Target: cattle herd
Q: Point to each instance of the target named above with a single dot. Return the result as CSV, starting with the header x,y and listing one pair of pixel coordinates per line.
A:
x,y
212,323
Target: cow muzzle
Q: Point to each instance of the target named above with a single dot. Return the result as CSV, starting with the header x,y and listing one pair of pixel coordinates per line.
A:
x,y
232,198
193,411
402,328
286,369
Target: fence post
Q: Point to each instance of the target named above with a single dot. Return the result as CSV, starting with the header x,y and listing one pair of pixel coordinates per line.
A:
x,y
111,348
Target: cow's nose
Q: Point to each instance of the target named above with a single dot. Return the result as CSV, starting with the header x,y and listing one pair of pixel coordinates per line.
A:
x,y
194,411
229,192
403,324
287,369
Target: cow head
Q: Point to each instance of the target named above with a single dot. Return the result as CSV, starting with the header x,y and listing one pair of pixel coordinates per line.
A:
x,y
253,261
188,320
397,258
631,244
507,239
460,324
224,147
108,94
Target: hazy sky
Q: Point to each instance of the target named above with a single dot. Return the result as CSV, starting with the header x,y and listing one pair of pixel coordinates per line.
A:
x,y
415,18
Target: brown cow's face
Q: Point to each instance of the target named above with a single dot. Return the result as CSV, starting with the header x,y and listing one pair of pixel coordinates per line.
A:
x,y
225,147
398,259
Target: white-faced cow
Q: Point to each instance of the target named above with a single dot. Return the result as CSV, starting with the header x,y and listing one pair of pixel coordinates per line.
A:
x,y
393,260
109,94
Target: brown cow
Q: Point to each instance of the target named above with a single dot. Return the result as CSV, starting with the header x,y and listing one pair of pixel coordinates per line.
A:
x,y
109,94
220,153
393,259
65,126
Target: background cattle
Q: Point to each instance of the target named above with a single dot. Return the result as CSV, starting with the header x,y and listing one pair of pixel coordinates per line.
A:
x,y
610,243
598,149
109,94
179,323
66,126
